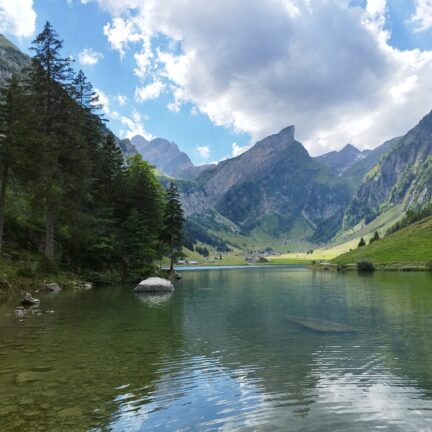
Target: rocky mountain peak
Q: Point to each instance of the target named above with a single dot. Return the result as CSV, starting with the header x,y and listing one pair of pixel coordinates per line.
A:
x,y
340,161
164,154
349,148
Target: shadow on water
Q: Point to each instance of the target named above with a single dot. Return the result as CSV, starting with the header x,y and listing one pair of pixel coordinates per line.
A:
x,y
233,349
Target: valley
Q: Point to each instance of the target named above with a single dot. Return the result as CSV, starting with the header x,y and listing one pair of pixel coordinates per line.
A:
x,y
275,200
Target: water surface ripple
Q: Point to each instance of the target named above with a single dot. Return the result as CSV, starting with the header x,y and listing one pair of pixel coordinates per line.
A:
x,y
255,349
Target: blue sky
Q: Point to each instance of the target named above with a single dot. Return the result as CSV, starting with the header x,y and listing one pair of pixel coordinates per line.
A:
x,y
216,77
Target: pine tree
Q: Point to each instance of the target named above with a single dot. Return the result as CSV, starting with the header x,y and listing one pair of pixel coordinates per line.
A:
x,y
109,169
50,79
374,238
362,242
174,220
84,94
14,128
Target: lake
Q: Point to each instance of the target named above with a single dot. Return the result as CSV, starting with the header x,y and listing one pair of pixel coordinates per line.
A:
x,y
255,349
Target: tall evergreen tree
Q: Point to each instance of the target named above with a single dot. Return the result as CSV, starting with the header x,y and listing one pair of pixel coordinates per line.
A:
x,y
375,237
174,220
50,78
84,94
109,169
14,129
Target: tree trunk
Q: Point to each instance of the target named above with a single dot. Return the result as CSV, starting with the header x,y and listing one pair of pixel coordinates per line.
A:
x,y
171,270
3,188
49,235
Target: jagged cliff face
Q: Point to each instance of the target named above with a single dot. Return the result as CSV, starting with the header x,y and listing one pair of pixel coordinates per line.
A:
x,y
402,177
340,161
127,148
355,174
275,179
165,155
12,60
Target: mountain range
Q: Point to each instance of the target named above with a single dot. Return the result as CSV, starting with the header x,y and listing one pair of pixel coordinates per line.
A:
x,y
340,161
277,188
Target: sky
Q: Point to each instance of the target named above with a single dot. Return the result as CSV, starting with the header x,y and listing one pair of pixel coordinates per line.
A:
x,y
216,76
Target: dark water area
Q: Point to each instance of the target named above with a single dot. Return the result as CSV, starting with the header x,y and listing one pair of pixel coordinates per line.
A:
x,y
265,349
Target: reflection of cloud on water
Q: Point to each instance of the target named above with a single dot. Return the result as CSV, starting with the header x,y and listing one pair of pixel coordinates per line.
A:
x,y
360,390
197,393
153,299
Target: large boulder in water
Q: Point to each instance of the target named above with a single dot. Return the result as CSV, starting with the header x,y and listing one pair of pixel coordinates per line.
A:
x,y
154,284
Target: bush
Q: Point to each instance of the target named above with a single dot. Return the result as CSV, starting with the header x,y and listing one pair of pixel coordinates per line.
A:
x,y
365,266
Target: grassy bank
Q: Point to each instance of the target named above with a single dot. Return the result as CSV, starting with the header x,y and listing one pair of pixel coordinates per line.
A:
x,y
325,254
409,246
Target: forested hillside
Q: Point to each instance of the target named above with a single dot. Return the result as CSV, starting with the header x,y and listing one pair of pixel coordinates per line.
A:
x,y
68,199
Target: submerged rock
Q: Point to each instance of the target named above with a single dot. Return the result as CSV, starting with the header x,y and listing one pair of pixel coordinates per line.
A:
x,y
28,300
70,412
28,377
50,287
154,284
320,326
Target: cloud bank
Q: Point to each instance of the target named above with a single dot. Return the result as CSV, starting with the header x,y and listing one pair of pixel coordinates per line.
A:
x,y
17,17
257,66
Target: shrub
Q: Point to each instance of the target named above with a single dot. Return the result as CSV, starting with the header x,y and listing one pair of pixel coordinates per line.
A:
x,y
365,266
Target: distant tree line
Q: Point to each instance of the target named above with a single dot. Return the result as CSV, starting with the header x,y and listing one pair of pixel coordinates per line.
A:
x,y
412,215
66,191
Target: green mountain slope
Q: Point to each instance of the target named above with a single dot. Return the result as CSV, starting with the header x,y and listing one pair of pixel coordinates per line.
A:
x,y
410,245
401,177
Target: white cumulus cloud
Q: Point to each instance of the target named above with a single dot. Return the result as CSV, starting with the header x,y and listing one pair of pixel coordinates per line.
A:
x,y
89,57
257,66
422,17
237,150
203,151
17,17
150,91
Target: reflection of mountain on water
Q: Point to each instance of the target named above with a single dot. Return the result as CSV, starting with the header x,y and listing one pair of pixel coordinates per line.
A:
x,y
225,356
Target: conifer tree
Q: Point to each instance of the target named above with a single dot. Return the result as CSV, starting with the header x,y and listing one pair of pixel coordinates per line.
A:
x,y
109,168
374,238
173,222
15,125
84,94
362,242
50,79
